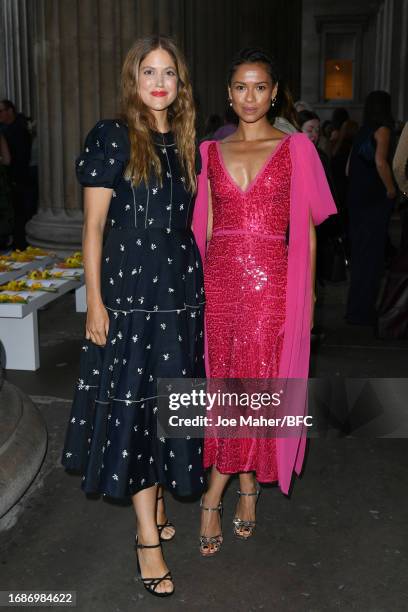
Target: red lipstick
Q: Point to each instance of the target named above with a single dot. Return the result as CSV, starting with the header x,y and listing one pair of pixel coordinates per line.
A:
x,y
159,94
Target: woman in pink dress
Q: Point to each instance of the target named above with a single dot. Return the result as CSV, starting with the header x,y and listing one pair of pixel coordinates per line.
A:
x,y
257,216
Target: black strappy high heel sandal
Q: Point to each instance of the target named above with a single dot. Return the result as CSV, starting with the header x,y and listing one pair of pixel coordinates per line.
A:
x,y
161,526
151,584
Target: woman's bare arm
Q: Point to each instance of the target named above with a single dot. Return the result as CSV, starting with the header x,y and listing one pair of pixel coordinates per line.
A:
x,y
210,214
96,206
382,138
312,246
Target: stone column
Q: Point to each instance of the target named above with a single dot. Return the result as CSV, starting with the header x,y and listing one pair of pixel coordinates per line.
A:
x,y
391,54
16,67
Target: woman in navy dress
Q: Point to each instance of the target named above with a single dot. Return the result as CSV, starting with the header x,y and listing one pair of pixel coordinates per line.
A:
x,y
371,197
145,298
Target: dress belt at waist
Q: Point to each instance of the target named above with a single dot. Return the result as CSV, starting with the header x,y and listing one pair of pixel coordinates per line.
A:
x,y
226,232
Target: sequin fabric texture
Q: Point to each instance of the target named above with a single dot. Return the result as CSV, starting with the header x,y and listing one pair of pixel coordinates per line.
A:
x,y
245,284
153,289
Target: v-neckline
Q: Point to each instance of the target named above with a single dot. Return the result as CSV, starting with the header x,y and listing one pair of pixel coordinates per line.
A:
x,y
258,174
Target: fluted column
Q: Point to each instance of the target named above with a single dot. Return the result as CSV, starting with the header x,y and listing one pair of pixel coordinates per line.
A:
x,y
16,67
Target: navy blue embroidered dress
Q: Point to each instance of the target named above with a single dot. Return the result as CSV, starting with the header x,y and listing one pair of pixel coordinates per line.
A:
x,y
152,287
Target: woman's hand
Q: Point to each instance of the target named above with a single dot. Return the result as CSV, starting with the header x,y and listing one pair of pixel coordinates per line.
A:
x,y
97,324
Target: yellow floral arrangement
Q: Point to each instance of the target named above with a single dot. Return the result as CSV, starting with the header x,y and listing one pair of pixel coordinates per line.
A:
x,y
12,299
36,251
48,274
74,261
24,256
4,267
21,285
20,256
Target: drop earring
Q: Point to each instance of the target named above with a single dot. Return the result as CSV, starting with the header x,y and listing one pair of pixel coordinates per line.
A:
x,y
273,102
230,101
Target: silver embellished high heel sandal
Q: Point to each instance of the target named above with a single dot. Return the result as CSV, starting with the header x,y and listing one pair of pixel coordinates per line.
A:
x,y
248,527
210,545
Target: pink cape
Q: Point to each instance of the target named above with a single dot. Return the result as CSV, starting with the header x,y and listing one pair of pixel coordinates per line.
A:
x,y
310,194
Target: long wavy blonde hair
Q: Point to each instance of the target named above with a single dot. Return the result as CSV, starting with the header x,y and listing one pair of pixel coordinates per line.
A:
x,y
181,114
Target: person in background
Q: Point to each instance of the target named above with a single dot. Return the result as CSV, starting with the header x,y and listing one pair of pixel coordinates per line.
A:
x,y
341,142
370,199
286,120
213,123
6,205
229,126
331,258
393,308
17,135
325,133
339,116
301,105
400,167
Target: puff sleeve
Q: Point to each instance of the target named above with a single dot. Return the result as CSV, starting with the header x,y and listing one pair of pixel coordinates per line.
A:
x,y
105,155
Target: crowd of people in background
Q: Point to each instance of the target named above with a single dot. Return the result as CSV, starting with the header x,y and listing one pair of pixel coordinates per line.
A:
x,y
358,164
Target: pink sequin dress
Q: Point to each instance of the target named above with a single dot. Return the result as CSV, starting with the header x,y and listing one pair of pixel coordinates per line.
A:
x,y
245,277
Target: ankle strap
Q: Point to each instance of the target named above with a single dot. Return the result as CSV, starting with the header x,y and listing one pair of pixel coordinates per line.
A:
x,y
147,545
218,508
257,492
161,497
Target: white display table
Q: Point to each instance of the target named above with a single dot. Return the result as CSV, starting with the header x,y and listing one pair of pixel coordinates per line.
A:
x,y
19,326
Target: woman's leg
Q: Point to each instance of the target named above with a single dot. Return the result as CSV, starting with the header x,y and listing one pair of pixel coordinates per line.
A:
x,y
161,516
211,521
151,560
